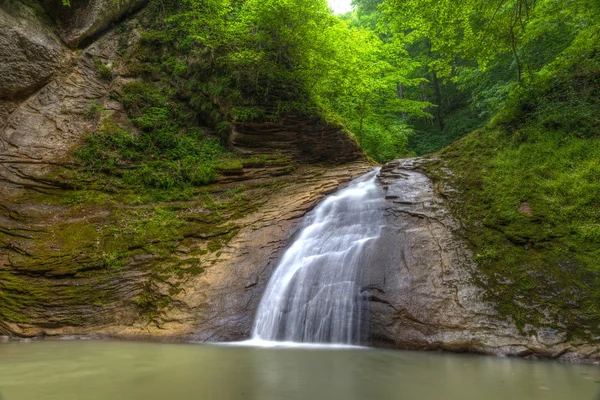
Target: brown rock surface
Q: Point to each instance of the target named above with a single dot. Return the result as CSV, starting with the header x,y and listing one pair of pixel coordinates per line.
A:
x,y
71,265
30,50
38,133
298,137
69,295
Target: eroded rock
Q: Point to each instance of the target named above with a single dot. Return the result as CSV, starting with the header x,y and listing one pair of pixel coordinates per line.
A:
x,y
206,286
297,137
30,51
39,133
83,20
422,282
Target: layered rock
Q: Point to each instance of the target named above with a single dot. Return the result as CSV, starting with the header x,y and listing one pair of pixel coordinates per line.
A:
x,y
296,136
38,133
83,262
201,278
422,282
30,50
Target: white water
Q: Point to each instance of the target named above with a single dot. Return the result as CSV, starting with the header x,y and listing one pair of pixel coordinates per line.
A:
x,y
314,293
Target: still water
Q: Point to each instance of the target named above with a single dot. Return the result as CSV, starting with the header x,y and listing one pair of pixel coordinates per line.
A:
x,y
66,370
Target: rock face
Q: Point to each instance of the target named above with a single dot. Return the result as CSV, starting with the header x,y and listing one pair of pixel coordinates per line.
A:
x,y
232,291
297,137
422,282
207,288
37,133
29,49
197,269
83,20
69,265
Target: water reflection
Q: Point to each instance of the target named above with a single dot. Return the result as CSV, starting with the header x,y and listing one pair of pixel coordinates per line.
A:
x,y
111,370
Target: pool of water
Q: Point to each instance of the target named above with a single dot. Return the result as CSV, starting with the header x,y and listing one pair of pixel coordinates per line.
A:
x,y
65,370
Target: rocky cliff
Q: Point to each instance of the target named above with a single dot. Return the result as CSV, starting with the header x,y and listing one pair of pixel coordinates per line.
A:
x,y
86,256
428,293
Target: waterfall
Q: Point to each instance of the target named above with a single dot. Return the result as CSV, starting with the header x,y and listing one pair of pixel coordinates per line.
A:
x,y
314,294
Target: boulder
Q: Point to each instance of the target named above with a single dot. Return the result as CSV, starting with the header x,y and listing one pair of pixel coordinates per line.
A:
x,y
84,20
39,132
29,49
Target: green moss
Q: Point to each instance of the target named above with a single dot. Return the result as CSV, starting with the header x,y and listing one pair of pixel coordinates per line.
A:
x,y
166,153
230,164
155,230
106,72
21,298
541,269
150,303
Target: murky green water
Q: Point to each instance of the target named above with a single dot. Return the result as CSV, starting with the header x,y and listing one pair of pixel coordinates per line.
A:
x,y
112,370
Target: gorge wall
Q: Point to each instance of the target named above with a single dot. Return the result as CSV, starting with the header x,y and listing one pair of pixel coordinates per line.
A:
x,y
78,257
426,290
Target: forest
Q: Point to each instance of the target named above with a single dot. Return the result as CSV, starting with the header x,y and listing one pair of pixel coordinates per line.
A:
x,y
405,77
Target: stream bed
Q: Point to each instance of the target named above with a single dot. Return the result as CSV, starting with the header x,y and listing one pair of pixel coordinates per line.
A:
x,y
87,369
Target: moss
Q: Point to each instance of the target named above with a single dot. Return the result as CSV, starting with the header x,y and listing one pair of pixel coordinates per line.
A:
x,y
106,71
229,165
87,237
166,151
540,269
150,303
60,249
22,297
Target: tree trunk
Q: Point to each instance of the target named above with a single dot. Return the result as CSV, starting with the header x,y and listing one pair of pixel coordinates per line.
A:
x,y
400,94
513,45
438,99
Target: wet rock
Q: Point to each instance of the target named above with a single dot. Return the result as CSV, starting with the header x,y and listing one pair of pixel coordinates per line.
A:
x,y
215,304
421,282
29,49
232,289
49,250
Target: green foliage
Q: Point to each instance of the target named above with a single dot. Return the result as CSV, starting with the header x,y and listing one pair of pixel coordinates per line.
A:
x,y
474,53
247,113
94,112
234,60
547,259
105,71
529,196
428,138
564,95
163,153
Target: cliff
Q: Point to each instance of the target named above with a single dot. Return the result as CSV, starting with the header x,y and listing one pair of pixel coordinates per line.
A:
x,y
429,291
84,252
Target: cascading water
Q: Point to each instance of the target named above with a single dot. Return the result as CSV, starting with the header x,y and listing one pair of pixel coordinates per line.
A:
x,y
314,294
